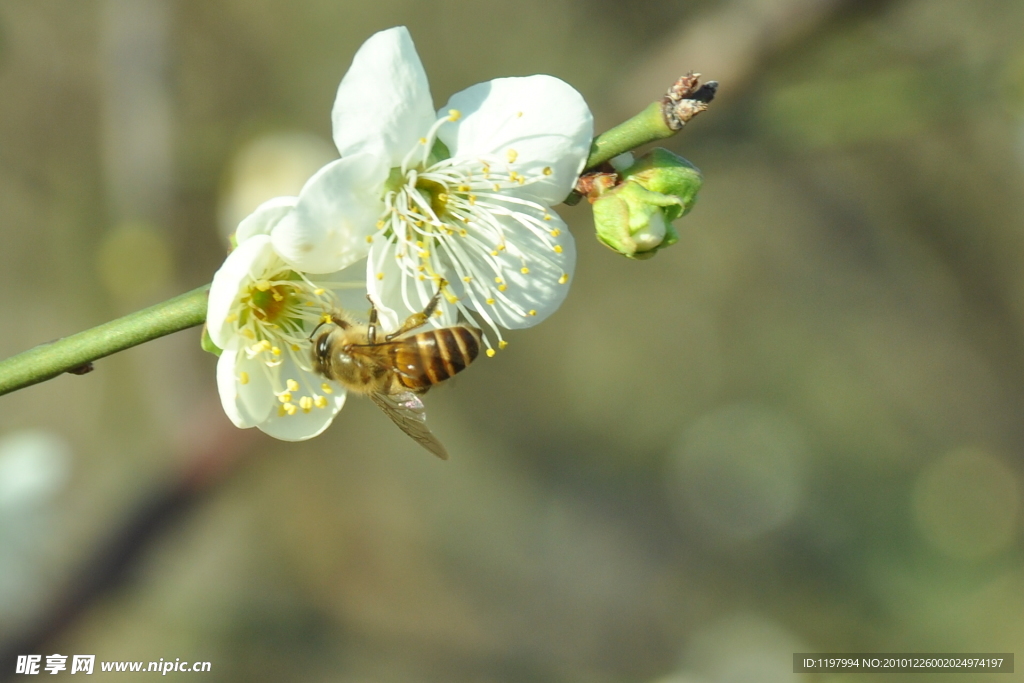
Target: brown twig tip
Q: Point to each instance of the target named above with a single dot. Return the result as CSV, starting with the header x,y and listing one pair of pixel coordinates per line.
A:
x,y
687,98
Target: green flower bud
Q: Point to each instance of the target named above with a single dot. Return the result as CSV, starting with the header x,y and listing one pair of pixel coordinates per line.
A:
x,y
635,216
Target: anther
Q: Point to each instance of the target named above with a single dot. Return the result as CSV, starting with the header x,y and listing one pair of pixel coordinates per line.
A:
x,y
243,378
490,302
524,270
558,248
502,344
320,401
511,155
565,278
380,276
285,397
547,170
326,388
533,312
306,403
292,385
490,353
454,115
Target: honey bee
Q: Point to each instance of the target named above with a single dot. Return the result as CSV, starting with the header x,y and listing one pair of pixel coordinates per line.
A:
x,y
396,370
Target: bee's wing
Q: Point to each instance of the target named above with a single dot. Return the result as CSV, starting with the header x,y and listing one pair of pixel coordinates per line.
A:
x,y
407,411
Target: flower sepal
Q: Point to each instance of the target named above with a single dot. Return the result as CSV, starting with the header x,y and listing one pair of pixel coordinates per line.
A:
x,y
634,217
206,343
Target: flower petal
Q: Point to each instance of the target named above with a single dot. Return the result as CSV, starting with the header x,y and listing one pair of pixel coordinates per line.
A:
x,y
383,104
244,387
529,297
398,295
253,258
535,122
336,211
264,218
303,424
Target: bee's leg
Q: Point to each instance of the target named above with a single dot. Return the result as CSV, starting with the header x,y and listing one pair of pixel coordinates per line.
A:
x,y
419,319
371,330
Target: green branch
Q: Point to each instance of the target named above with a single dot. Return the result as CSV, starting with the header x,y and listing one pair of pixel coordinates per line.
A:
x,y
70,353
661,119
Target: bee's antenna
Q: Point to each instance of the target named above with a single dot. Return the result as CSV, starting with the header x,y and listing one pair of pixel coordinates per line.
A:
x,y
322,323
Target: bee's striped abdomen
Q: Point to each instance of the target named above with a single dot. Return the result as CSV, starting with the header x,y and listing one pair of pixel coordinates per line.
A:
x,y
433,356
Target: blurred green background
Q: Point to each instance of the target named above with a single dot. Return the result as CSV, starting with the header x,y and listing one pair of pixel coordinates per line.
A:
x,y
799,429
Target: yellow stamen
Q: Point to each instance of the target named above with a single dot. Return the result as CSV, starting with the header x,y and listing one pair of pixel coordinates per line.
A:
x,y
511,155
306,403
558,248
533,312
490,353
524,270
285,397
292,385
454,115
326,388
502,344
243,378
565,278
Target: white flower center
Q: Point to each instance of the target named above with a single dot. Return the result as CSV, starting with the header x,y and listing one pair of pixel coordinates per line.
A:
x,y
276,312
449,219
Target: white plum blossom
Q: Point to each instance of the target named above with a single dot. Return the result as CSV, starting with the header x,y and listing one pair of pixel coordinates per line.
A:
x,y
261,312
462,195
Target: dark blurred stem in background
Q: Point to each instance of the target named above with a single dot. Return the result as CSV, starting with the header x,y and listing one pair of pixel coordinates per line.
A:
x,y
110,566
734,42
